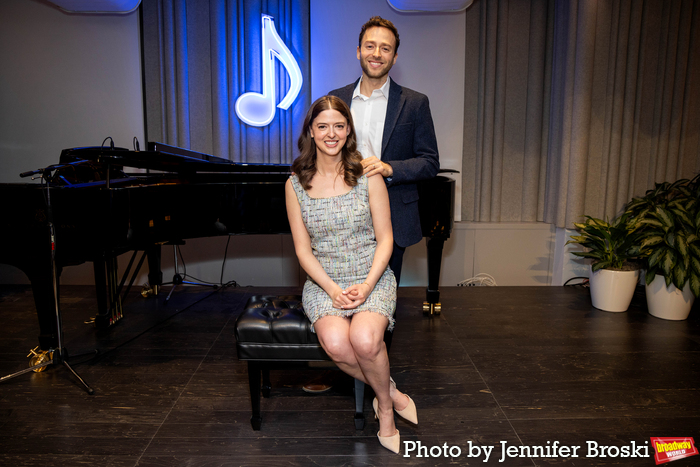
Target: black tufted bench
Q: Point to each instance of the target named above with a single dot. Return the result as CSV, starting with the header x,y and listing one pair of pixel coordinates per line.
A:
x,y
273,332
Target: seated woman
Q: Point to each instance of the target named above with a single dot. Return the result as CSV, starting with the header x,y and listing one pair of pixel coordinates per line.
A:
x,y
341,227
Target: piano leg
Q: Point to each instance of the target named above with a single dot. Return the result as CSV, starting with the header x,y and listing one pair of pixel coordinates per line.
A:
x,y
155,275
432,303
42,287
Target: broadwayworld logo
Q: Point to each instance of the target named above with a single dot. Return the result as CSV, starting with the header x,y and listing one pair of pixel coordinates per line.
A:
x,y
672,449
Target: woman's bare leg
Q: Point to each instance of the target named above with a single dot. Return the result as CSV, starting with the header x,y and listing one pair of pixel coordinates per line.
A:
x,y
367,340
334,335
344,338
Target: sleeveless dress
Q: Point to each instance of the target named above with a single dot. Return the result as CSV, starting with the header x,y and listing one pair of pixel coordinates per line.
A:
x,y
343,241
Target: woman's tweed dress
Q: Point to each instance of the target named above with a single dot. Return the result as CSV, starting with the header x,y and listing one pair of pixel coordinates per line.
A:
x,y
343,241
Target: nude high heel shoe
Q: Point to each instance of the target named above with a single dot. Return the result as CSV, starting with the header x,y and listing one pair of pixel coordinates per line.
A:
x,y
409,413
392,443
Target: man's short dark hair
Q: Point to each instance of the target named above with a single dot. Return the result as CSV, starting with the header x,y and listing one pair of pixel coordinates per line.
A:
x,y
378,21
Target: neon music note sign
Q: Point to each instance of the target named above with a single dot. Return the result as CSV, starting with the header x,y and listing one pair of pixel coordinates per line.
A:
x,y
258,109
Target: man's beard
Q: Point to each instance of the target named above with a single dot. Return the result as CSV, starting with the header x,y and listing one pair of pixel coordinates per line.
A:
x,y
374,73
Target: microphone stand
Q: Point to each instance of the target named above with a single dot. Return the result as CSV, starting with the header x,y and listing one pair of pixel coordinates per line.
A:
x,y
178,280
58,355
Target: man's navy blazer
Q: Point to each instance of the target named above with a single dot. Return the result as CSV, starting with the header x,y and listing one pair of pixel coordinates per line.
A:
x,y
410,147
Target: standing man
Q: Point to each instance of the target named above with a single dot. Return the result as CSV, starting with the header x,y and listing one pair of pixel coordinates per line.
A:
x,y
395,132
395,135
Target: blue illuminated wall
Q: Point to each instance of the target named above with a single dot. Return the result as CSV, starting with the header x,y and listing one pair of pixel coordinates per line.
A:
x,y
201,57
259,108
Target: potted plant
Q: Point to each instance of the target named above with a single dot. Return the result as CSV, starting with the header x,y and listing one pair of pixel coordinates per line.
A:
x,y
612,247
668,218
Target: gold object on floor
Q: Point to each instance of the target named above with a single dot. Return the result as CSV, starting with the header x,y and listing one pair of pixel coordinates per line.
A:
x,y
148,291
42,356
432,308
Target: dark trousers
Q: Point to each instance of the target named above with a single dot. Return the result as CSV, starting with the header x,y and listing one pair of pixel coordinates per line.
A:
x,y
396,261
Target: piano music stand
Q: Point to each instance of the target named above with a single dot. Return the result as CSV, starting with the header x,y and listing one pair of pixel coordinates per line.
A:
x,y
58,355
178,280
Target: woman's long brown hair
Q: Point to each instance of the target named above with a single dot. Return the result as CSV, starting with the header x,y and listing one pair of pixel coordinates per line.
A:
x,y
304,166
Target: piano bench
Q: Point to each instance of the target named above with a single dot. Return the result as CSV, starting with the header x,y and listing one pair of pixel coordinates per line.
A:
x,y
273,332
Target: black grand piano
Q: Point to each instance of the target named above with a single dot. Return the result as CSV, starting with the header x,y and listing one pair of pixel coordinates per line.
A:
x,y
100,211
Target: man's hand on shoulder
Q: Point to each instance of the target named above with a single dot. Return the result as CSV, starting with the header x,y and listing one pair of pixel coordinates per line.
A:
x,y
374,166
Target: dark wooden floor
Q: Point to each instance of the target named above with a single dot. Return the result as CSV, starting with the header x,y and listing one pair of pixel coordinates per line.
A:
x,y
521,365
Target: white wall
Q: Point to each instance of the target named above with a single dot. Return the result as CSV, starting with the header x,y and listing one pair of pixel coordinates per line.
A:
x,y
565,266
72,80
66,80
512,253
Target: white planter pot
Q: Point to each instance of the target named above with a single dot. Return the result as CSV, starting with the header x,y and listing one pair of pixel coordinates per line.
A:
x,y
669,302
612,290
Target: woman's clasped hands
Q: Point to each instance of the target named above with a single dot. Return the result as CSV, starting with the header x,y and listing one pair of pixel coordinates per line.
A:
x,y
351,297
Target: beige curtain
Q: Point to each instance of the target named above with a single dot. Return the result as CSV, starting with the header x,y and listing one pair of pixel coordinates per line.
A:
x,y
572,107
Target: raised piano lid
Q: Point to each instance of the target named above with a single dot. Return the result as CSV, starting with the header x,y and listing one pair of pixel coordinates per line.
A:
x,y
186,153
165,158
